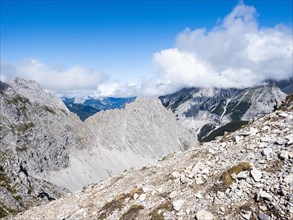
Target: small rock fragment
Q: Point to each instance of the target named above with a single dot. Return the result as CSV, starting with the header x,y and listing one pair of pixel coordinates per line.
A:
x,y
177,204
142,197
204,215
288,179
284,154
256,174
267,151
265,195
243,175
246,214
173,194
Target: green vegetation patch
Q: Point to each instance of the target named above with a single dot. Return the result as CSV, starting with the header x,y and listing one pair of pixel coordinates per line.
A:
x,y
48,109
157,214
226,176
230,127
18,100
236,110
23,127
132,212
117,203
5,182
20,149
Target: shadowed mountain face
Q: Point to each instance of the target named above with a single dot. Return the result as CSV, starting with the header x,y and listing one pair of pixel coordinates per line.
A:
x,y
46,150
89,106
207,109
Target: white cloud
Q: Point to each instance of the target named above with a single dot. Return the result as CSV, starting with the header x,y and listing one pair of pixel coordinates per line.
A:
x,y
236,53
73,81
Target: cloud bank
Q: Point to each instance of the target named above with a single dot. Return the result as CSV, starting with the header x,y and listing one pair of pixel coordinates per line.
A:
x,y
75,81
236,53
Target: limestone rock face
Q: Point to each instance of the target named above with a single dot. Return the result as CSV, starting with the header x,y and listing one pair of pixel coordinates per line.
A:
x,y
238,181
140,134
44,148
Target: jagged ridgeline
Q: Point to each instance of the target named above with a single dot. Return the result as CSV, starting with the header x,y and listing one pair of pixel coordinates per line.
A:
x,y
213,111
45,150
247,174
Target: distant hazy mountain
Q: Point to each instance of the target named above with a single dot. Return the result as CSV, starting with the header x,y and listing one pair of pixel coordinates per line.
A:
x,y
87,107
207,109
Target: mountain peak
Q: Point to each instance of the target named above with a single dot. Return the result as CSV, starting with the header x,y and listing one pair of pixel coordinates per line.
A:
x,y
33,91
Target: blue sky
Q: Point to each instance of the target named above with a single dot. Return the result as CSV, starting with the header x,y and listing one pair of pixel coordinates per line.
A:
x,y
117,38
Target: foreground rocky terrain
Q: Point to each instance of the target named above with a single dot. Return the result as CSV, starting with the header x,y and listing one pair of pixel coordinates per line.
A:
x,y
45,150
247,174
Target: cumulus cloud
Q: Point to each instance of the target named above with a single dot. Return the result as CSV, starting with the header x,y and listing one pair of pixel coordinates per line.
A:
x,y
236,53
76,80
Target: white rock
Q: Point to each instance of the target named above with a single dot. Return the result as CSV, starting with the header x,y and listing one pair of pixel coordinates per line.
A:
x,y
288,179
267,151
243,175
135,196
246,214
177,204
142,197
204,215
256,174
199,181
265,195
284,154
283,114
175,174
253,131
173,194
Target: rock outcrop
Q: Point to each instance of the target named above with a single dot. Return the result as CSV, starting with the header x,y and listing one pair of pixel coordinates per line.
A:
x,y
243,175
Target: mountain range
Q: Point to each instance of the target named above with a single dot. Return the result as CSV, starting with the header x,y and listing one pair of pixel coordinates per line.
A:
x,y
245,175
47,151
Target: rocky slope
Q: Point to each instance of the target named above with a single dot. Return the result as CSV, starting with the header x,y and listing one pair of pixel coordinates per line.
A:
x,y
45,148
32,141
207,109
140,134
247,174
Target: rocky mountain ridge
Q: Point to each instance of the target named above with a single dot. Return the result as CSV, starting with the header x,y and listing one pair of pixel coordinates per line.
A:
x,y
207,109
243,175
45,148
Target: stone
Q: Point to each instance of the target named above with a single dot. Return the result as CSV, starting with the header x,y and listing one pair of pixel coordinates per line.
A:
x,y
246,214
199,181
253,131
142,197
284,154
281,141
204,215
283,114
267,151
221,195
288,179
242,175
177,204
262,216
265,195
135,196
256,174
265,139
237,139
173,194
